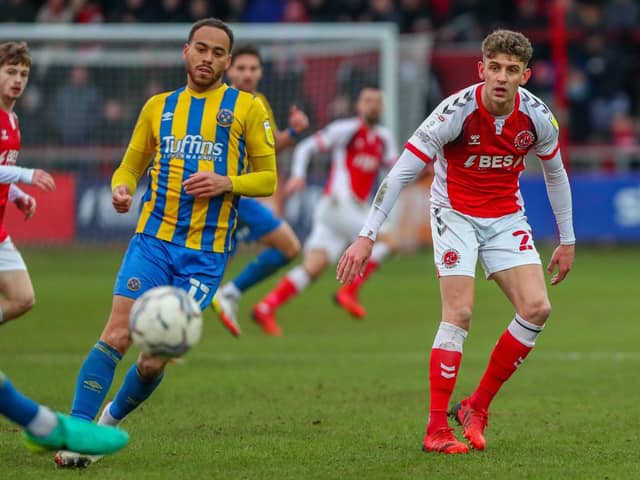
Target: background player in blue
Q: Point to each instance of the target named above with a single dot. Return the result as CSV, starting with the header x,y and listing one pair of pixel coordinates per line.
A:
x,y
207,144
255,221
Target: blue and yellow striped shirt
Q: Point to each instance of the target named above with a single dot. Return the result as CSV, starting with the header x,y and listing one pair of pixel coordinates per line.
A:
x,y
189,132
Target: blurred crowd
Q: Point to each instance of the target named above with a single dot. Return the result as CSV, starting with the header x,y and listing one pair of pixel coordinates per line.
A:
x,y
603,86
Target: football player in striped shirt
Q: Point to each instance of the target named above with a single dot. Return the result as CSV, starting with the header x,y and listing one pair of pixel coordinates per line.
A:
x,y
206,144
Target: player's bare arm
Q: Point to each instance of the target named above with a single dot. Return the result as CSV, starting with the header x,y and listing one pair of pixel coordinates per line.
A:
x,y
298,123
562,258
354,260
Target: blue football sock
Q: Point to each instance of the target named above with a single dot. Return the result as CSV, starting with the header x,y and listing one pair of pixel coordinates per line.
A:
x,y
14,405
265,264
133,392
94,380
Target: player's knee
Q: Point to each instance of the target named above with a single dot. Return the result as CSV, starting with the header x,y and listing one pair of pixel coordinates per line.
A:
x,y
461,317
537,311
292,248
118,338
150,368
25,303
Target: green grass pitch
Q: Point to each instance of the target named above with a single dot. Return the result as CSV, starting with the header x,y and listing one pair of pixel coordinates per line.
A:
x,y
337,398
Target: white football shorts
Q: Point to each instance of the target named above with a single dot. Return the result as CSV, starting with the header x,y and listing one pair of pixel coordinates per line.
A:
x,y
10,258
336,223
500,243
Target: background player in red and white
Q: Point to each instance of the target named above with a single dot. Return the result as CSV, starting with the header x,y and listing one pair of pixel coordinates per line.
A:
x,y
15,284
477,140
359,147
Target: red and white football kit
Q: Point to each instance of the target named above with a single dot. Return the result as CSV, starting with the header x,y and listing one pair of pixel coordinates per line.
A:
x,y
10,258
477,208
358,153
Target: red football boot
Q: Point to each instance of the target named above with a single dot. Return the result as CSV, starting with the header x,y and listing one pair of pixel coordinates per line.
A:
x,y
473,422
443,441
265,316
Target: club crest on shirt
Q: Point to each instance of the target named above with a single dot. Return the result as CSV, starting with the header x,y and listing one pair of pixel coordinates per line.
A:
x,y
134,284
524,139
224,117
451,258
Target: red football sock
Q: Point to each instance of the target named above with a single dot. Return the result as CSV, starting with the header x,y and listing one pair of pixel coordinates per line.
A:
x,y
354,286
507,356
284,291
443,373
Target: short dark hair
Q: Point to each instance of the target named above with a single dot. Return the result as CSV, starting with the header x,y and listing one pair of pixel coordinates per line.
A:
x,y
15,53
507,42
246,49
215,23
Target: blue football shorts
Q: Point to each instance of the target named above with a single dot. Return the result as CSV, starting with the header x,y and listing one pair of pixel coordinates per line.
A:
x,y
150,262
254,221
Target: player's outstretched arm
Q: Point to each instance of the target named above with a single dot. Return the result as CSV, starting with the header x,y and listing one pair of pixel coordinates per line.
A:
x,y
37,177
298,123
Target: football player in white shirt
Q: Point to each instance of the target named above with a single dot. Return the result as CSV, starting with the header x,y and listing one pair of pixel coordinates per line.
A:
x,y
359,147
477,140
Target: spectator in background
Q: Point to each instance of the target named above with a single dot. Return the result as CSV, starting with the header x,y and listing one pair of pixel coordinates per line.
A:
x,y
75,112
17,11
88,11
55,11
172,11
295,12
130,11
578,95
115,123
197,9
381,11
415,16
527,16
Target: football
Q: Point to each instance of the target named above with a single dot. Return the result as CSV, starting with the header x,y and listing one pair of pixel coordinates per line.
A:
x,y
165,322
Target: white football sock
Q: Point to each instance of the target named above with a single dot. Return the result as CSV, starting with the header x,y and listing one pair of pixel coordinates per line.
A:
x,y
43,423
107,419
230,290
523,331
299,277
449,337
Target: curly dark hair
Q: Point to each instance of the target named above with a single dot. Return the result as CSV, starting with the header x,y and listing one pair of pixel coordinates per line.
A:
x,y
507,42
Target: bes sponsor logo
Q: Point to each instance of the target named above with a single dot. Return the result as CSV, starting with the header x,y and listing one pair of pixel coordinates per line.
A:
x,y
451,258
191,147
507,162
